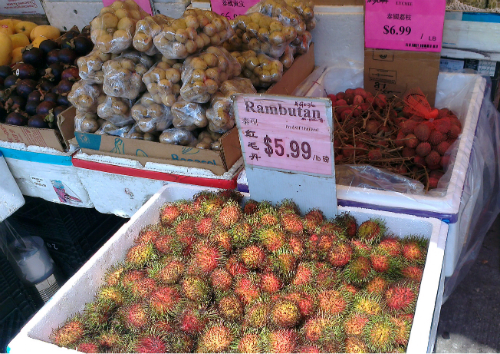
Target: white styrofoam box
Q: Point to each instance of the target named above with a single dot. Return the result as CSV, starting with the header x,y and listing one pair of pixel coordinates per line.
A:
x,y
11,197
66,14
172,9
123,195
45,173
82,287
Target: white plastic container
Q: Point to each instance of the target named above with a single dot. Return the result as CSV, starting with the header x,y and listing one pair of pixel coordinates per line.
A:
x,y
82,287
11,197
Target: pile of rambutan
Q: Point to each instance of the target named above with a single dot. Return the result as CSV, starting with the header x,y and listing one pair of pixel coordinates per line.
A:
x,y
215,276
393,134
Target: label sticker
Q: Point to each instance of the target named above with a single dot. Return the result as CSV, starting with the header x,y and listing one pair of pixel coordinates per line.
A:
x,y
232,8
412,25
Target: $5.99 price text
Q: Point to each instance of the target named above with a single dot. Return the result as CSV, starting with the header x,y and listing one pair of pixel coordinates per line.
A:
x,y
294,149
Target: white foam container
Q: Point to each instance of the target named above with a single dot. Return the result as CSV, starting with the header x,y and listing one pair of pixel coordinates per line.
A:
x,y
11,197
81,288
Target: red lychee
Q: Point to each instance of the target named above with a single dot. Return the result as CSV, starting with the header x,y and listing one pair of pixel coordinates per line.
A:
x,y
433,158
436,137
422,132
411,141
423,149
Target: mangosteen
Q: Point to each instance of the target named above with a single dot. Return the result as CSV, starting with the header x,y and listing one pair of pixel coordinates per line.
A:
x,y
34,97
83,45
53,56
63,100
31,108
44,107
63,86
15,102
34,56
5,71
25,87
67,56
15,118
46,85
25,71
38,121
54,71
48,45
10,81
51,97
70,74
59,109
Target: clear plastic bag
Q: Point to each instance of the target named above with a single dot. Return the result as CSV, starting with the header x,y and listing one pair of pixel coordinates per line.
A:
x,y
116,110
188,115
285,13
207,139
90,66
123,75
302,43
86,122
178,137
202,74
261,34
288,57
195,30
135,133
262,70
86,95
305,8
220,114
146,30
151,116
113,29
109,128
163,82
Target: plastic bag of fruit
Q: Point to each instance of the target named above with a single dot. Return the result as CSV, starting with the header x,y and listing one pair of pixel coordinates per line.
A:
x,y
86,96
287,58
305,8
116,110
151,116
123,75
146,30
202,74
208,140
302,43
163,81
136,133
178,136
261,69
195,30
86,122
279,9
220,114
188,115
90,66
109,128
113,29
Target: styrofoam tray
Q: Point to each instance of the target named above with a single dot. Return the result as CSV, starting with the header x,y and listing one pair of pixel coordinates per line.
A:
x,y
11,197
82,287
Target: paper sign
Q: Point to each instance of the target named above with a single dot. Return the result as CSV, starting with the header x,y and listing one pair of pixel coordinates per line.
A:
x,y
285,133
232,8
21,7
144,4
414,25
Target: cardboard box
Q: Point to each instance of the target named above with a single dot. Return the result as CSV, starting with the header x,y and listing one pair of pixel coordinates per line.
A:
x,y
218,162
33,136
393,72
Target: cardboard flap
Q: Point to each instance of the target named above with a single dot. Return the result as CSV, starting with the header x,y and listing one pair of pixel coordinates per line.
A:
x,y
66,124
231,149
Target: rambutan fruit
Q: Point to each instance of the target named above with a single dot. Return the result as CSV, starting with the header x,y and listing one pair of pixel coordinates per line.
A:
x,y
132,276
368,303
249,343
88,347
113,275
230,214
230,307
193,319
423,149
422,131
241,234
280,341
377,285
326,277
223,239
257,314
436,137
402,297
185,226
305,274
340,254
296,246
380,262
95,315
247,287
334,302
205,226
272,238
305,300
355,345
196,289
169,213
163,327
69,333
216,338
347,287
150,344
285,313
413,273
140,255
253,257
283,263
181,342
270,283
355,323
165,300
288,206
251,207
110,339
380,334
390,245
313,219
206,257
371,231
433,158
415,249
403,328
331,228
359,271
142,288
148,234
135,317
168,245
167,272
235,267
111,296
324,245
221,280
348,223
292,223
361,248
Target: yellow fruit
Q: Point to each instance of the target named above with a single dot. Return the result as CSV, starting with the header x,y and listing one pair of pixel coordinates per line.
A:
x,y
25,27
5,49
49,32
17,56
19,40
36,42
7,27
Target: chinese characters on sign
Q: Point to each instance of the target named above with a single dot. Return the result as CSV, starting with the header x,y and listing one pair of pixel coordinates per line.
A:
x,y
232,8
415,25
285,134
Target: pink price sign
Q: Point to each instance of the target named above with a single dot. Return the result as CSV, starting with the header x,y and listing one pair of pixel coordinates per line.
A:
x,y
144,4
232,8
413,25
285,133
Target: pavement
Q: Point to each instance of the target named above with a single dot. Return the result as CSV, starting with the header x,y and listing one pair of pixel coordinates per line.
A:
x,y
470,318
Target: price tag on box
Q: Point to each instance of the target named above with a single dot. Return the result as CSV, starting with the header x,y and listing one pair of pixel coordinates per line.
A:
x,y
232,8
287,146
414,25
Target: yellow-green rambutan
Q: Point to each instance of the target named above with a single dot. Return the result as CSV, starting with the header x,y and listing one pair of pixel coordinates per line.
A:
x,y
69,333
165,301
359,271
140,255
371,231
216,338
272,238
168,271
285,313
279,341
196,289
368,303
247,287
380,334
241,234
253,257
257,314
230,307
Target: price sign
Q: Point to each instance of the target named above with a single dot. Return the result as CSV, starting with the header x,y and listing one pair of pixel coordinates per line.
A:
x,y
232,8
288,150
414,25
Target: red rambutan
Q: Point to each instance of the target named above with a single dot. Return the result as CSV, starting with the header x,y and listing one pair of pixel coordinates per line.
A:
x,y
377,285
253,257
292,223
216,338
169,213
247,287
272,238
401,297
249,343
333,302
270,283
165,300
70,333
206,257
390,245
235,267
355,345
355,324
192,320
221,280
413,273
150,344
142,288
205,226
135,317
340,254
313,219
230,214
88,347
